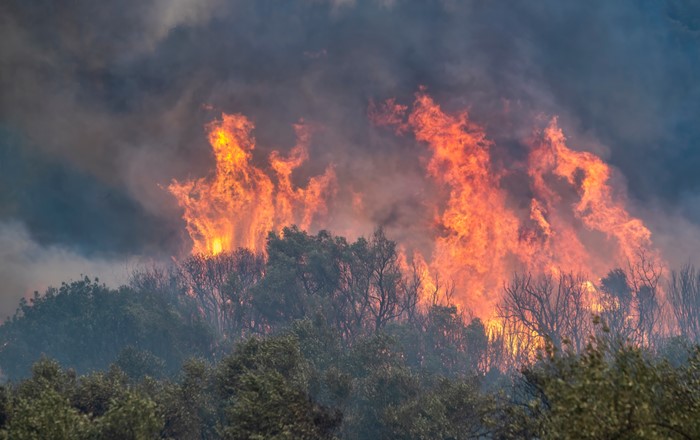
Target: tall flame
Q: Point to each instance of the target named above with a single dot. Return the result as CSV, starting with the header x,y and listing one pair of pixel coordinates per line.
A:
x,y
596,206
571,220
240,204
477,230
483,235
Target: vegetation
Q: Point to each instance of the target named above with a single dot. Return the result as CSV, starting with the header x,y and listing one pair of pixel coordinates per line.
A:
x,y
326,339
86,326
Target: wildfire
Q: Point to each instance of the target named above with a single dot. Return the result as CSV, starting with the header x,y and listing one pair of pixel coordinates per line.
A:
x,y
240,204
570,221
482,236
478,230
551,162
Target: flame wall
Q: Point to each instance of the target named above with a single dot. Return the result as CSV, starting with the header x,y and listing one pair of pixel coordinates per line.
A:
x,y
573,220
103,105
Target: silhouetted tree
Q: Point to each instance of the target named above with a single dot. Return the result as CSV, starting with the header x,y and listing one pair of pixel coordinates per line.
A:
x,y
222,286
547,307
629,302
684,296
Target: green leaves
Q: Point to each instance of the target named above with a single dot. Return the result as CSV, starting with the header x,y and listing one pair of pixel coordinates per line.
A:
x,y
615,392
85,325
266,390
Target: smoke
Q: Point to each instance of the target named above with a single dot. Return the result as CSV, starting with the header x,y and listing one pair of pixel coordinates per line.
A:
x,y
28,267
109,99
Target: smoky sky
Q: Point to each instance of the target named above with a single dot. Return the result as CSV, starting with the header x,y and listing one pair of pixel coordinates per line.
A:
x,y
104,103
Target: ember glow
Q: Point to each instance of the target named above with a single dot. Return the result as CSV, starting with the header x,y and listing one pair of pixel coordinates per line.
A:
x,y
573,220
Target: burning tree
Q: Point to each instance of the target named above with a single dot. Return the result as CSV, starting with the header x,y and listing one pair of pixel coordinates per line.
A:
x,y
547,307
572,220
222,288
629,302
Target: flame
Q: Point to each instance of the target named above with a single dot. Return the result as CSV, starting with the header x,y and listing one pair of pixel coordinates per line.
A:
x,y
572,219
240,204
478,231
482,236
593,299
596,206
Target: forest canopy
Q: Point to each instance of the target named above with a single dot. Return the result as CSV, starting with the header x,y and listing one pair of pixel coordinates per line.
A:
x,y
326,338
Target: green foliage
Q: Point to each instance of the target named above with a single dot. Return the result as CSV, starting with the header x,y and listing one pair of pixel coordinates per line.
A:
x,y
85,325
131,417
356,288
190,407
48,415
444,343
285,387
452,410
326,341
301,272
138,364
93,394
615,393
265,386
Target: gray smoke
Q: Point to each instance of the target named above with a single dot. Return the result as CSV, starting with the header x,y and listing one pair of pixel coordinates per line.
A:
x,y
102,103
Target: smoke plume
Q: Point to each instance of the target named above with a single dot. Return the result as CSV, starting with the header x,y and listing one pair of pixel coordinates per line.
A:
x,y
104,104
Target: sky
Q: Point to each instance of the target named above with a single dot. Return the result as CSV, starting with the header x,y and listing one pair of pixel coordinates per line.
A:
x,y
103,104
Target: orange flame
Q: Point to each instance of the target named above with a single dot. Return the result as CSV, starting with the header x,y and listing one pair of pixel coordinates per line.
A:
x,y
239,204
570,221
596,206
483,236
478,231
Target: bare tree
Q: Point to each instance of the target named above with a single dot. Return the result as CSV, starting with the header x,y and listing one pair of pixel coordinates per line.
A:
x,y
616,305
546,307
684,295
221,284
645,275
373,290
630,304
162,279
386,294
351,310
412,286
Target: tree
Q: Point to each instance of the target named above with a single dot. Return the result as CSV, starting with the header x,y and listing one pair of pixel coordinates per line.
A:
x,y
546,308
684,295
85,325
613,391
222,286
265,389
617,305
356,287
387,293
133,416
629,303
451,410
301,278
49,415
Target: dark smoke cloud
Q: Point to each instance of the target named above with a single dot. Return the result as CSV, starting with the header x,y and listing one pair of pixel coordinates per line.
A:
x,y
102,102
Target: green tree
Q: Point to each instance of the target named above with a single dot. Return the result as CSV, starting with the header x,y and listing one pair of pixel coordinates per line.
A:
x,y
47,416
451,410
85,325
264,387
131,417
620,392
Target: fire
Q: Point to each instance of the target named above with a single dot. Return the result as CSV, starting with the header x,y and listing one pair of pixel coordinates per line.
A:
x,y
570,221
483,236
596,206
240,204
478,230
